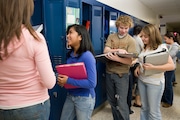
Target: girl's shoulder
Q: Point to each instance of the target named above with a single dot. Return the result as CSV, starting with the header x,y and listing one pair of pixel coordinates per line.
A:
x,y
175,44
87,57
87,54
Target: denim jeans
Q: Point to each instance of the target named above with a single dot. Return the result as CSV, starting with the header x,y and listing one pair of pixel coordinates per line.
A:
x,y
80,107
151,100
168,91
36,112
117,91
129,96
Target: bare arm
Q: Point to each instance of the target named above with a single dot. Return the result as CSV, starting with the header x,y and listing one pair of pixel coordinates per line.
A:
x,y
108,49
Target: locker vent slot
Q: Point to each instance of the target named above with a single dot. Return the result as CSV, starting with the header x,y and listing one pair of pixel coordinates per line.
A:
x,y
73,4
57,60
113,17
97,13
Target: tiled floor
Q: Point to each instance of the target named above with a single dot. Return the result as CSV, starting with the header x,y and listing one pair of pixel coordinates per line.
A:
x,y
171,113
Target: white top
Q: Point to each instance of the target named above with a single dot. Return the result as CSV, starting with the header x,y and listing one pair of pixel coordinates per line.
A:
x,y
155,78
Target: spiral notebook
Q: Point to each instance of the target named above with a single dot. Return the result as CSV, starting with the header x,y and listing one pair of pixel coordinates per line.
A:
x,y
74,70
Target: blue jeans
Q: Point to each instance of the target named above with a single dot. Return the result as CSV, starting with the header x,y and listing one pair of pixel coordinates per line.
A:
x,y
129,96
36,112
151,100
80,107
117,91
168,91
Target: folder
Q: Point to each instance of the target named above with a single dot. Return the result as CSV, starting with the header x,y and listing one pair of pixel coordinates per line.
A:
x,y
158,58
102,57
74,70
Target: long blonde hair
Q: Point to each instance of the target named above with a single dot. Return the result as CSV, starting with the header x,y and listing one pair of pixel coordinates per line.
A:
x,y
14,14
155,38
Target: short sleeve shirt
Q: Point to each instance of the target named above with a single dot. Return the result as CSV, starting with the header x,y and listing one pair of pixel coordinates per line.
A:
x,y
114,42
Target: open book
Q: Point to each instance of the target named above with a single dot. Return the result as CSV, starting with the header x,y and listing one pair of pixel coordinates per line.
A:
x,y
102,57
74,70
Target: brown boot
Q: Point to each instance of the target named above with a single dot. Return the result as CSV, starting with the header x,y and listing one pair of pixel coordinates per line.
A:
x,y
166,105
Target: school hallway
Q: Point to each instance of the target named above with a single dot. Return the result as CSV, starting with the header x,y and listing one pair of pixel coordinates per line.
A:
x,y
171,113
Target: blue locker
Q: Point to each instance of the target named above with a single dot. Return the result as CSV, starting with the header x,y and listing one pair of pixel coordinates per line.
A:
x,y
112,25
37,17
95,14
98,40
55,33
97,29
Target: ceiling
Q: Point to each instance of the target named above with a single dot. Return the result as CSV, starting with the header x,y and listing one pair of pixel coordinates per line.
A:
x,y
168,11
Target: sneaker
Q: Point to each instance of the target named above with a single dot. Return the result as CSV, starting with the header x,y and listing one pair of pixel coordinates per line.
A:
x,y
174,83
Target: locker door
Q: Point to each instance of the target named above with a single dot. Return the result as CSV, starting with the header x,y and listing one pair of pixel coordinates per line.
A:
x,y
97,29
98,44
54,29
37,19
112,26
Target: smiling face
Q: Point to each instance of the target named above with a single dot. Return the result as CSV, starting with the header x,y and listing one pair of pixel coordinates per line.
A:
x,y
145,38
73,38
151,37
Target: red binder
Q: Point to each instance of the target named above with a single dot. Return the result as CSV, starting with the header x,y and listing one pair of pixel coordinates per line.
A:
x,y
74,70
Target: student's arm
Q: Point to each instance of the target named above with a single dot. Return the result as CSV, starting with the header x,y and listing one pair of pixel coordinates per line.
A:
x,y
173,51
42,60
108,49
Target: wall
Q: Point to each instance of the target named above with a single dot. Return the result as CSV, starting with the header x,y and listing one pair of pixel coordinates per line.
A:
x,y
134,8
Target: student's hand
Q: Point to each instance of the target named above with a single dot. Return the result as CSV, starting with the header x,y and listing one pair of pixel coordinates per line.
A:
x,y
134,62
112,56
122,51
148,66
137,71
62,79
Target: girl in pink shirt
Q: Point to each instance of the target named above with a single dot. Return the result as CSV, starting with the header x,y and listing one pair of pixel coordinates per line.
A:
x,y
26,73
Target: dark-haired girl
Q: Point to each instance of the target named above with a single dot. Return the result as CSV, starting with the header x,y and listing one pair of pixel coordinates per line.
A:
x,y
80,101
173,47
